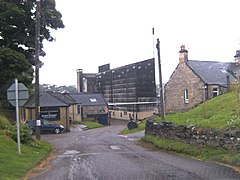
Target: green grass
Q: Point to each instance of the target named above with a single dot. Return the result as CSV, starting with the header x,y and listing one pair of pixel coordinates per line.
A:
x,y
9,114
218,113
4,121
203,153
140,127
15,166
91,125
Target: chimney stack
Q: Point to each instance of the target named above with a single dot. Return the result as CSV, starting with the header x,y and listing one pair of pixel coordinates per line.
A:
x,y
183,55
79,80
237,57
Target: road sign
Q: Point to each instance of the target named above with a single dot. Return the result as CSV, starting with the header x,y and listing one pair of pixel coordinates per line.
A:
x,y
16,93
22,94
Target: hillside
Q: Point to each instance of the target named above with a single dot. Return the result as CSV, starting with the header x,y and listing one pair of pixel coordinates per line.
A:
x,y
218,113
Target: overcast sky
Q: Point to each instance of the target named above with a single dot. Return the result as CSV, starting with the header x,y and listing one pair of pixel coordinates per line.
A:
x,y
119,32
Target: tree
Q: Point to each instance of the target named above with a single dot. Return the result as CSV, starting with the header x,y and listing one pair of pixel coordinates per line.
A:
x,y
47,87
13,65
17,37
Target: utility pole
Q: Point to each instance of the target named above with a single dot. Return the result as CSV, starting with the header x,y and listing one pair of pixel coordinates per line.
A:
x,y
161,105
37,65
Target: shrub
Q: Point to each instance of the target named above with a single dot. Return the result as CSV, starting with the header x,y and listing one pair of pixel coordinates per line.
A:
x,y
25,133
11,131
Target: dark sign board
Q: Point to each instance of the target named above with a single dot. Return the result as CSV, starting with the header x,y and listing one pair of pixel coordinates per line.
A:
x,y
50,113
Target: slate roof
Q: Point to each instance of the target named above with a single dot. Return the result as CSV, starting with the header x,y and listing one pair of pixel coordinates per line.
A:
x,y
53,99
212,72
46,100
64,97
89,99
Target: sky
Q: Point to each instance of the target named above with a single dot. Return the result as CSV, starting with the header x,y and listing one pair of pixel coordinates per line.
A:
x,y
119,32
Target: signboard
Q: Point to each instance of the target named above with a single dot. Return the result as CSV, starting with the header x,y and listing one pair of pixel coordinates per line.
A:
x,y
22,94
50,113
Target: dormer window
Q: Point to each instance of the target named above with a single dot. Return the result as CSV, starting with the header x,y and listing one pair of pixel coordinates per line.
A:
x,y
93,100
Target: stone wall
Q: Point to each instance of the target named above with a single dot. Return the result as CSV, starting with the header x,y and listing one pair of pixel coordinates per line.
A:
x,y
202,137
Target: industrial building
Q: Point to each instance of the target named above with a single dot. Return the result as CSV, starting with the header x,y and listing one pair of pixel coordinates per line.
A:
x,y
130,90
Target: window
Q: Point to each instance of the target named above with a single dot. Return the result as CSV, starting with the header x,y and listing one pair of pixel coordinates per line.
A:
x,y
215,92
130,115
186,96
79,109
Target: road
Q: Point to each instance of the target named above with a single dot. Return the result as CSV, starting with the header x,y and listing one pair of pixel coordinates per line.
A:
x,y
101,154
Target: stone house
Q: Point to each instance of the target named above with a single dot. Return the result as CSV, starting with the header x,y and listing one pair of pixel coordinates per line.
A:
x,y
194,82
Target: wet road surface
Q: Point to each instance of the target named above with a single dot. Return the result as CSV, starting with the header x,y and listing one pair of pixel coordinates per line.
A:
x,y
102,154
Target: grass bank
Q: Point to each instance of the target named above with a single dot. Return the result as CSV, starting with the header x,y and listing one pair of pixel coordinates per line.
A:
x,y
15,166
91,125
203,153
218,113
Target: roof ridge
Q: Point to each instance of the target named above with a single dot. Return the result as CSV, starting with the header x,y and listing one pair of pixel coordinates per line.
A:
x,y
209,61
58,98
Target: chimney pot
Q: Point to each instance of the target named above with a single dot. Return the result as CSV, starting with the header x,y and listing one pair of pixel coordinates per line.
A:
x,y
183,54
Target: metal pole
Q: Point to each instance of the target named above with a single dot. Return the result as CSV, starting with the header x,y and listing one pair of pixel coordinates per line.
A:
x,y
161,105
37,49
17,116
153,43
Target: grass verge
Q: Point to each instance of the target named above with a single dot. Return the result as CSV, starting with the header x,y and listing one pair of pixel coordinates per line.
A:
x,y
4,121
141,127
14,166
92,125
203,153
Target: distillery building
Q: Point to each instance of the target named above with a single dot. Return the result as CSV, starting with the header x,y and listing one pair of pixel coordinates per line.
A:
x,y
130,90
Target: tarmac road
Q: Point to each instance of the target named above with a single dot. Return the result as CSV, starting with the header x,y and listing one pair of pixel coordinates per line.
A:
x,y
101,154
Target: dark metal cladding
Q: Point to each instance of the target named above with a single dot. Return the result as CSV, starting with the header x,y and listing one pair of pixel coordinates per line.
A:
x,y
131,83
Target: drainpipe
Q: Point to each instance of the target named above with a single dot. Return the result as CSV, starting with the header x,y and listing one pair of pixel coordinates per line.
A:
x,y
67,120
206,91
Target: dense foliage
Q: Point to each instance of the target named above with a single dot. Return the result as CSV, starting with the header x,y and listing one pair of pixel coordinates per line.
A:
x,y
11,131
17,38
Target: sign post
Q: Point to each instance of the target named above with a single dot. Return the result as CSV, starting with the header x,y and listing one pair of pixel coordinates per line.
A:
x,y
17,95
17,116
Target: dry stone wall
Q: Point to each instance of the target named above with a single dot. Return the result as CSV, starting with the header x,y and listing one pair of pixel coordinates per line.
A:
x,y
203,137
